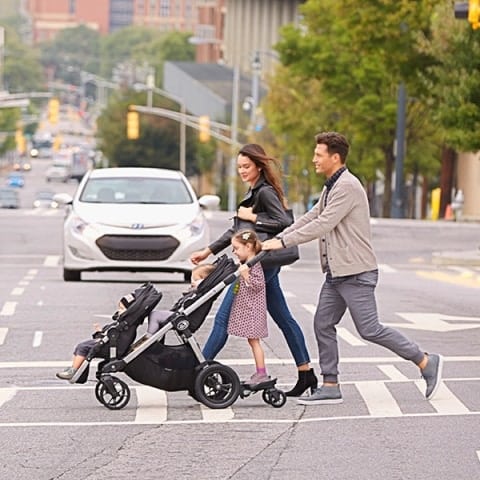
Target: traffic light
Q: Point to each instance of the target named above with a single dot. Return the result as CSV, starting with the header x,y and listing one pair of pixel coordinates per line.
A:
x,y
53,110
20,141
204,128
133,125
469,10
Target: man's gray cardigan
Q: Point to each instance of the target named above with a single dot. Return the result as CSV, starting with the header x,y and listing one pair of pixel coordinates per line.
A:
x,y
342,228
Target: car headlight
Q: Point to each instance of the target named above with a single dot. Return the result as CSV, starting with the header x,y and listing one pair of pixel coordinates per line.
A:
x,y
77,224
198,224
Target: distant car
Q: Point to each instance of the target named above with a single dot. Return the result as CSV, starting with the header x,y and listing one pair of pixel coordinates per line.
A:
x,y
15,180
57,172
44,199
22,165
133,219
9,198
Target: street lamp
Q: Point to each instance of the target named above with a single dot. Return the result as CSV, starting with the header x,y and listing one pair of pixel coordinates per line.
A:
x,y
256,69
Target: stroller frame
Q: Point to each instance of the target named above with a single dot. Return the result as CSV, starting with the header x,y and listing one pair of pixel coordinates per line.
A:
x,y
209,382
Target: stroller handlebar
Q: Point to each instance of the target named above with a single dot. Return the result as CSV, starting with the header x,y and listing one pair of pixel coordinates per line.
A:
x,y
257,258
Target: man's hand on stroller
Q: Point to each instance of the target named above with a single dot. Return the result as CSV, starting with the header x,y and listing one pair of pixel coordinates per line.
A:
x,y
199,255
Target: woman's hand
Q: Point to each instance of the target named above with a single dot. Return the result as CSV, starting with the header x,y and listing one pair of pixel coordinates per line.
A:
x,y
246,213
272,244
199,255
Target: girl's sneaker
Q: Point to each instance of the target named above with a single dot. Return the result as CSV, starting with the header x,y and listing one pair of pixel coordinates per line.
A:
x,y
258,378
67,374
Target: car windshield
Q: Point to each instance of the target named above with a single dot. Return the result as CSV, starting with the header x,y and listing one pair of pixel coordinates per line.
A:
x,y
44,195
136,190
8,194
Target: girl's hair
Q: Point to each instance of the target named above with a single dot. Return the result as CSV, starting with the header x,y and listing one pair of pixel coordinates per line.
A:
x,y
246,237
270,167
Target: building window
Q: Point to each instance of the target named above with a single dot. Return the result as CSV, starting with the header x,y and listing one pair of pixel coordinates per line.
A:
x,y
165,8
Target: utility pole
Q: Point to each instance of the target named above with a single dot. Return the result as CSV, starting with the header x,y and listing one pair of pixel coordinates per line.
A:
x,y
232,174
398,204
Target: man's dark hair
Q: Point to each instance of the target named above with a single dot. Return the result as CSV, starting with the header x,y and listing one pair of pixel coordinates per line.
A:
x,y
335,142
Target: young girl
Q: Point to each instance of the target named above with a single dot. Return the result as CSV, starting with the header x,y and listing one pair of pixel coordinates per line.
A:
x,y
248,316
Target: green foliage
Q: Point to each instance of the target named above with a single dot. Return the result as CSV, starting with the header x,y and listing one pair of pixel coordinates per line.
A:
x,y
71,51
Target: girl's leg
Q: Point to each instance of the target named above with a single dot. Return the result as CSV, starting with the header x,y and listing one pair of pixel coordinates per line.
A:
x,y
218,336
258,354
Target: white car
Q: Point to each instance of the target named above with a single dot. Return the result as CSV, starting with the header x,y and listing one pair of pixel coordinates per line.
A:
x,y
133,219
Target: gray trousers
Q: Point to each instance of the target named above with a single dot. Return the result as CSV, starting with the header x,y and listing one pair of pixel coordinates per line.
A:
x,y
357,293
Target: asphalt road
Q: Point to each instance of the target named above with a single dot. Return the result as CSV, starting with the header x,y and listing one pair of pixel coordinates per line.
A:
x,y
385,429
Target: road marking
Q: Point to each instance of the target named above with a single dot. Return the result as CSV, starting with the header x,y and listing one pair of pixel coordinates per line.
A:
x,y
24,283
350,338
6,394
449,278
3,334
216,416
435,322
478,454
444,401
151,405
32,271
382,267
393,373
8,308
378,399
51,261
37,339
17,291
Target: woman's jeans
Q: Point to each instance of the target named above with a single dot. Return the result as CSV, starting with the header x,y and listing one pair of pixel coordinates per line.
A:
x,y
278,310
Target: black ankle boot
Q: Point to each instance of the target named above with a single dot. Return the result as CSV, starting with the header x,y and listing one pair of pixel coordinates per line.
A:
x,y
306,380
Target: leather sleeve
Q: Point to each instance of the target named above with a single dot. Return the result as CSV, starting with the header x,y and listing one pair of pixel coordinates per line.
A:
x,y
271,215
223,242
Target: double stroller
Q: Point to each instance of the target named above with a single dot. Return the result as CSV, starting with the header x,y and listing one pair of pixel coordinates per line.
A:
x,y
170,367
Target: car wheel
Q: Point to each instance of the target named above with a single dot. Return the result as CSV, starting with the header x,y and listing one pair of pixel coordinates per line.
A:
x,y
71,275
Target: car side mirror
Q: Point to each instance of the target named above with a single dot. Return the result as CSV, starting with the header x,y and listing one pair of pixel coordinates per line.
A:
x,y
209,202
63,199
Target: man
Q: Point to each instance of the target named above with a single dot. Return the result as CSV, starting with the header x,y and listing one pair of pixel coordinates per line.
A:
x,y
340,221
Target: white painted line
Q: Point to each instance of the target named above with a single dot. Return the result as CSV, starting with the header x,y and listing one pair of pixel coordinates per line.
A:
x,y
17,291
478,454
350,338
29,277
151,405
32,271
378,399
3,334
51,261
382,267
288,294
24,283
310,308
6,394
444,401
216,416
393,373
8,308
37,339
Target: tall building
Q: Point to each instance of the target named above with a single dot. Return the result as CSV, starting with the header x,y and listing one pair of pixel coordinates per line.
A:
x,y
209,33
166,15
48,17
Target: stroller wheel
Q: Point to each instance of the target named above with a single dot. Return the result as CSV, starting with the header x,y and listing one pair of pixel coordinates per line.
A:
x,y
113,393
217,386
275,398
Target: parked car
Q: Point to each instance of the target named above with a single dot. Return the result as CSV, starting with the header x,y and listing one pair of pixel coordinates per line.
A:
x,y
44,199
9,198
15,180
22,165
133,219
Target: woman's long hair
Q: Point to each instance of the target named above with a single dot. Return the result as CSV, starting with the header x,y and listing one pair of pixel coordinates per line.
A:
x,y
270,167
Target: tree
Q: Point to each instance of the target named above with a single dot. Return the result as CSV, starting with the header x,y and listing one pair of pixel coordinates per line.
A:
x,y
359,59
70,52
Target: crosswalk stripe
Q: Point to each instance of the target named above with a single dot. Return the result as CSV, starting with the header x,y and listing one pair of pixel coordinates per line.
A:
x,y
51,261
393,373
350,338
6,394
8,308
3,334
151,405
378,399
444,401
216,416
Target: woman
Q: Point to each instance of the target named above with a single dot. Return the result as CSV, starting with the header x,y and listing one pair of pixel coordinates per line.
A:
x,y
264,206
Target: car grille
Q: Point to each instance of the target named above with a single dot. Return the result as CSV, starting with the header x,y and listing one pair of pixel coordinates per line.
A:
x,y
137,248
